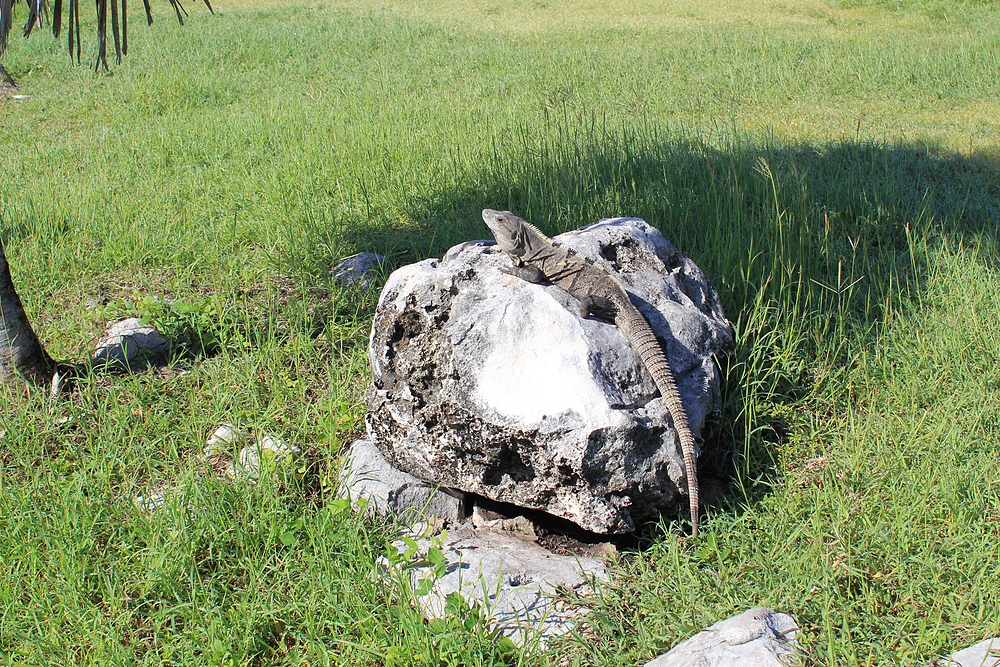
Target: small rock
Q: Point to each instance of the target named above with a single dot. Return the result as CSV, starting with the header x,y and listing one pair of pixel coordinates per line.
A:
x,y
758,637
984,654
217,443
130,344
154,503
511,580
269,454
485,519
392,492
363,267
57,384
150,503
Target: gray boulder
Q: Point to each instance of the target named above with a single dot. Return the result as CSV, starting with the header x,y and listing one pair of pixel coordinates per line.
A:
x,y
489,384
361,269
756,638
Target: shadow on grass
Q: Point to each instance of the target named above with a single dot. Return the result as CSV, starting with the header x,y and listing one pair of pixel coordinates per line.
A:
x,y
807,245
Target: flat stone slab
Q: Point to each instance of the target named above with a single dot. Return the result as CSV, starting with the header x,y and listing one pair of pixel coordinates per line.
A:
x,y
759,637
984,654
512,580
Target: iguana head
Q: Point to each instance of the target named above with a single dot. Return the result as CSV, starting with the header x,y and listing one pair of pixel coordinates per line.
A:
x,y
514,235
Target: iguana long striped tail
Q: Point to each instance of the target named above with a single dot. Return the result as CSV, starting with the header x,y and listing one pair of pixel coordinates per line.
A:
x,y
538,258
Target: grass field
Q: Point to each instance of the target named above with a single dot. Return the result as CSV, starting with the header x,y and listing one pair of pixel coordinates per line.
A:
x,y
833,167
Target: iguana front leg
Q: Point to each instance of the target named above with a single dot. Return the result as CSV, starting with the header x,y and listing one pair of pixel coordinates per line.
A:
x,y
526,272
531,273
599,306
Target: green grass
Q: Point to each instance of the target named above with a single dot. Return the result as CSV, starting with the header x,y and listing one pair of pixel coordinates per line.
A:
x,y
832,167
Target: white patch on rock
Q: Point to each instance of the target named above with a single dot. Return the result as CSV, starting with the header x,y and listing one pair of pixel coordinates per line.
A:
x,y
528,377
758,637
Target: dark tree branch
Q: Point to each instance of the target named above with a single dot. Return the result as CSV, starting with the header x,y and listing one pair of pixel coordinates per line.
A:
x,y
76,17
116,31
102,35
6,21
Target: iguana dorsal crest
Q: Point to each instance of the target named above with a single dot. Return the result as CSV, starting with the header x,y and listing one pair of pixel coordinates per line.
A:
x,y
535,230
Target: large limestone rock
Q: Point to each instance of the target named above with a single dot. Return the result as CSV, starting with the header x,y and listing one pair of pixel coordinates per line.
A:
x,y
492,385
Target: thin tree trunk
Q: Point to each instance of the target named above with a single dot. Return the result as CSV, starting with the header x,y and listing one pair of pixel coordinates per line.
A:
x,y
21,353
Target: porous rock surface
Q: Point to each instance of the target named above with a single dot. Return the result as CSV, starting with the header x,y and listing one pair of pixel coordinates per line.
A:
x,y
758,637
489,384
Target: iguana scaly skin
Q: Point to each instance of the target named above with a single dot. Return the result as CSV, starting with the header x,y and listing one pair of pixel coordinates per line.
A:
x,y
538,258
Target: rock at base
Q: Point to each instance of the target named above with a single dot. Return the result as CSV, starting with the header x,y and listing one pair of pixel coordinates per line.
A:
x,y
512,581
759,637
361,269
392,492
129,345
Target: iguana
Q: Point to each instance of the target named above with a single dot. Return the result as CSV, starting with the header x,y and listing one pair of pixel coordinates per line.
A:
x,y
537,258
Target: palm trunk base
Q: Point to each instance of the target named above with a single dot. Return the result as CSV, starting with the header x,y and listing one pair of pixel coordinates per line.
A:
x,y
22,357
